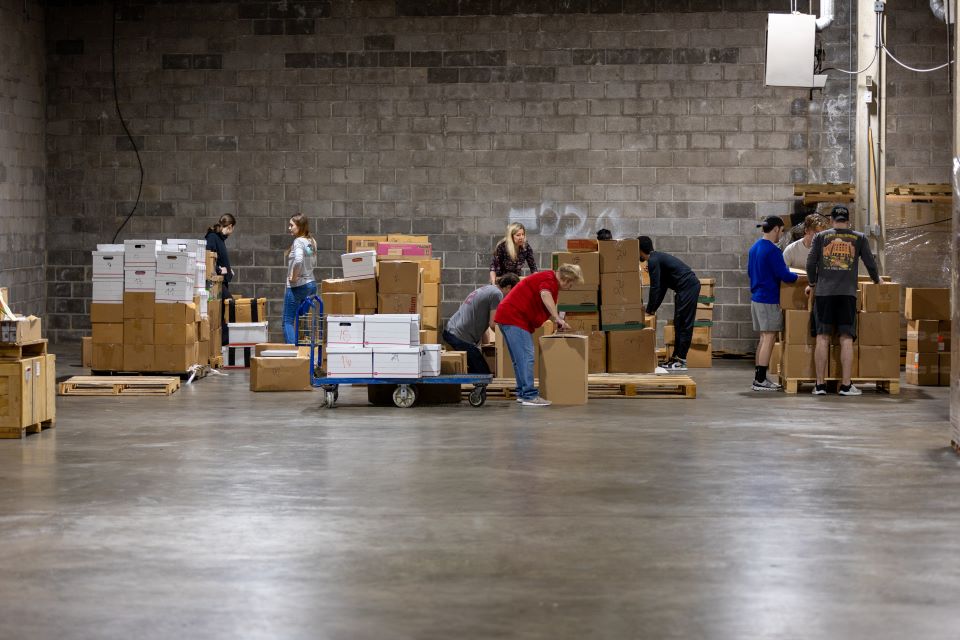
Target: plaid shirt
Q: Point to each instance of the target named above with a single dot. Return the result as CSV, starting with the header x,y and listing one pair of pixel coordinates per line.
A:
x,y
502,264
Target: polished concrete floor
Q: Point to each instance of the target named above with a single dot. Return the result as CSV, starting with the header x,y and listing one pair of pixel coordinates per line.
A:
x,y
217,513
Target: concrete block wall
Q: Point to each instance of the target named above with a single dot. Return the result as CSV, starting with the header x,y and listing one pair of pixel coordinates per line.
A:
x,y
22,155
442,117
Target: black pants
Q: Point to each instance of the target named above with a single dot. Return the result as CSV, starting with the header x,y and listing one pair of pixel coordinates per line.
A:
x,y
684,315
476,363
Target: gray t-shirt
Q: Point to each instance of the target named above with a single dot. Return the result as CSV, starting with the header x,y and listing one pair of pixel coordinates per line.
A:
x,y
473,316
832,262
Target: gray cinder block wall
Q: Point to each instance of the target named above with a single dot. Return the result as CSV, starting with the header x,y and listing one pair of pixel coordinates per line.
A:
x,y
23,203
441,117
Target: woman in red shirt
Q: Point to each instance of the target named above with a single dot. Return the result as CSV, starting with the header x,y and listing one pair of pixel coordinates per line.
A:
x,y
523,311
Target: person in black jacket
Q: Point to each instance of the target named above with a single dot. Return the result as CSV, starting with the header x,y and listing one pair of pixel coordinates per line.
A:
x,y
668,272
217,242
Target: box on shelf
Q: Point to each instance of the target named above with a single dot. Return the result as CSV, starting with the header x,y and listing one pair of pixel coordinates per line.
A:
x,y
339,304
589,264
793,295
107,291
398,329
564,361
20,330
107,265
927,304
141,279
345,330
619,256
880,297
399,276
429,360
349,361
106,357
631,351
401,237
140,252
365,290
404,251
280,374
138,304
621,289
923,368
622,318
395,361
452,362
577,300
878,328
364,243
582,245
879,362
359,265
245,310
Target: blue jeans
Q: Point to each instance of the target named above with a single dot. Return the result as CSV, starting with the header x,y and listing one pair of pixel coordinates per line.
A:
x,y
291,302
520,344
476,363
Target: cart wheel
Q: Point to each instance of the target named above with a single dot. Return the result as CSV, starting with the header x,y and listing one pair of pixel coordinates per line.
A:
x,y
404,396
478,397
331,399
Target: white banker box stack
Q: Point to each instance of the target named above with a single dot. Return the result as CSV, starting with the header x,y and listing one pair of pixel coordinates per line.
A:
x,y
379,346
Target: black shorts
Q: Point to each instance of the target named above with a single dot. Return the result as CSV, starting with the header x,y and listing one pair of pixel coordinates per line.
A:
x,y
835,314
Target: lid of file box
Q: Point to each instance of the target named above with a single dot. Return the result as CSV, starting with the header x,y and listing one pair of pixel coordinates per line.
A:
x,y
347,348
110,248
430,347
280,353
385,349
394,317
346,318
247,325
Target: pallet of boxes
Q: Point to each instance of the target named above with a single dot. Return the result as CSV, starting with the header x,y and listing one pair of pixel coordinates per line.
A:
x,y
928,337
149,307
876,351
27,374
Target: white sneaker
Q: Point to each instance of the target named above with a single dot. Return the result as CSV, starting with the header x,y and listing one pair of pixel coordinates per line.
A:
x,y
852,391
766,385
819,389
660,371
536,402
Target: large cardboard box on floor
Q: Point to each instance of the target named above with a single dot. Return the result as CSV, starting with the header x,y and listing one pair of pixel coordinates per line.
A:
x,y
793,295
879,362
280,374
927,304
700,356
597,362
798,362
248,309
621,289
138,357
364,290
923,336
835,370
176,357
880,297
632,351
923,369
86,352
452,362
503,364
589,264
106,357
563,368
619,256
878,328
339,304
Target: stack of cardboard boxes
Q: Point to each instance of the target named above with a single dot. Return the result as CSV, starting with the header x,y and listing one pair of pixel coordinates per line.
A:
x,y
280,367
27,380
928,336
247,326
631,345
581,305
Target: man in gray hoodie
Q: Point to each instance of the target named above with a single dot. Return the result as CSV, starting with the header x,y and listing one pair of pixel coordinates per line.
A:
x,y
832,272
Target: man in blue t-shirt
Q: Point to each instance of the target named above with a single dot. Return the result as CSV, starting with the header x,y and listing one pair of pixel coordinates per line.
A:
x,y
767,269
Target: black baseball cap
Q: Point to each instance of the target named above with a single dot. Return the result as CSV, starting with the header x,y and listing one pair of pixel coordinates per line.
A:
x,y
840,213
770,223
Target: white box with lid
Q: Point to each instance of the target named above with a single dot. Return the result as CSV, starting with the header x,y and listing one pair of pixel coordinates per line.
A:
x,y
345,330
429,360
107,264
247,332
359,265
392,329
173,289
141,279
396,362
176,263
349,361
107,290
141,252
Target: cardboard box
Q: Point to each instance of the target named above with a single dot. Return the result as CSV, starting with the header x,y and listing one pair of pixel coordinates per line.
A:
x,y
106,312
430,318
597,360
579,245
20,330
700,356
106,357
701,336
503,364
107,333
923,368
880,297
175,357
138,331
619,256
834,368
404,251
392,330
345,330
246,309
203,330
431,270
339,304
707,291
399,303
303,351
175,313
429,336
669,334
621,289
927,304
631,351
364,290
589,264
563,365
18,392
879,362
793,295
878,328
203,351
453,362
210,263
173,334
138,356
577,300
280,374
622,318
400,237
399,276
776,357
359,265
86,352
922,336
429,360
431,293
944,338
944,369
394,361
796,327
582,322
138,305
703,317
798,362
364,243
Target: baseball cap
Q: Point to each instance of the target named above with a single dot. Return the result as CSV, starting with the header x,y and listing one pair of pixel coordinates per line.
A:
x,y
770,223
840,213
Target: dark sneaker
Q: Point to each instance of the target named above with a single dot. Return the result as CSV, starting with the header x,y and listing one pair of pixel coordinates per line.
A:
x,y
766,385
820,390
850,391
676,365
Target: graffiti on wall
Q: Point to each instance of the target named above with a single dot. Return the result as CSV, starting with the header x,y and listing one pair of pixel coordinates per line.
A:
x,y
552,219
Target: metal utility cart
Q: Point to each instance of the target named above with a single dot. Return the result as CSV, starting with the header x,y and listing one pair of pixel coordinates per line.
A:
x,y
310,332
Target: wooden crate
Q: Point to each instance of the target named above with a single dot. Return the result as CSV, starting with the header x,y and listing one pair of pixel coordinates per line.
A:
x,y
22,351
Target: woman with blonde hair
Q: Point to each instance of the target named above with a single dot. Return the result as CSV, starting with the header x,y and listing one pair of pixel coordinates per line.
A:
x,y
301,259
524,310
511,253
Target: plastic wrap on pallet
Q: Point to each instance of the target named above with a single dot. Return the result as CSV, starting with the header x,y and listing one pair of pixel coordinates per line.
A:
x,y
918,257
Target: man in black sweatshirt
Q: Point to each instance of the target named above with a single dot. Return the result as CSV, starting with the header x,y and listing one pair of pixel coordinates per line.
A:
x,y
667,272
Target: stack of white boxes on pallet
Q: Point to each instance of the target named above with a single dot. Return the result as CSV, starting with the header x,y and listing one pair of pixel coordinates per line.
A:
x,y
379,346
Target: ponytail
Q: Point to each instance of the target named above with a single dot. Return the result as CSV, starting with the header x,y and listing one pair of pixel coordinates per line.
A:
x,y
226,220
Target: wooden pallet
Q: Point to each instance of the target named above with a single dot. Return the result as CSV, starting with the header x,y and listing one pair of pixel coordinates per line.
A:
x,y
201,372
118,386
15,433
610,385
890,386
814,193
21,351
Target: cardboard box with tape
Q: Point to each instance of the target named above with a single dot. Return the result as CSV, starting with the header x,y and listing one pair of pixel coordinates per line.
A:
x,y
563,366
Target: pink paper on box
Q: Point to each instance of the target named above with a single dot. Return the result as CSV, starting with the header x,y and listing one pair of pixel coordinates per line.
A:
x,y
405,249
